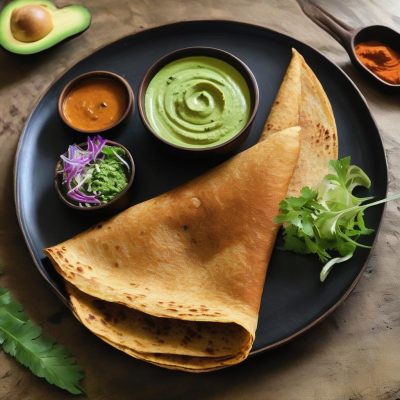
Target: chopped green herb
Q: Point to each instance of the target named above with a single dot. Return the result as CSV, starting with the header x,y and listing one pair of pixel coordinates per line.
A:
x,y
170,79
109,179
23,340
329,219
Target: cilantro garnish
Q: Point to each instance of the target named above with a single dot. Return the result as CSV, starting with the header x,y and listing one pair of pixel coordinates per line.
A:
x,y
329,220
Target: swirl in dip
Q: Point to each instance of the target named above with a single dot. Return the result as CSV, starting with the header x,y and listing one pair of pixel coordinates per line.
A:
x,y
197,101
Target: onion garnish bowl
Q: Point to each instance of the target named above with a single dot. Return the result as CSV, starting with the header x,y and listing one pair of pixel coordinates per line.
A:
x,y
69,180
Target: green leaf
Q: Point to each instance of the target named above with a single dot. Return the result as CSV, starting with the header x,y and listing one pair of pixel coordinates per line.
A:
x,y
112,150
294,243
336,188
328,221
345,247
22,339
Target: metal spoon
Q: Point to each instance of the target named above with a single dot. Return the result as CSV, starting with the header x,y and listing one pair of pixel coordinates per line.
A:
x,y
349,38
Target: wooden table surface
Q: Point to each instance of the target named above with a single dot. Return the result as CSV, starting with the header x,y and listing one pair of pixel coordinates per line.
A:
x,y
353,354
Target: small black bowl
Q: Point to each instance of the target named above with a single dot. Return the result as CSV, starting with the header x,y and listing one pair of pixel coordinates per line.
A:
x,y
244,70
118,203
126,96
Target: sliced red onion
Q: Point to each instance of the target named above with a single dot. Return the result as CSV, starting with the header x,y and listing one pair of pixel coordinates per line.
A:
x,y
74,165
121,159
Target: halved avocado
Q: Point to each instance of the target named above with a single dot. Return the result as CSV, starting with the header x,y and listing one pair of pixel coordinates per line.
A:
x,y
31,26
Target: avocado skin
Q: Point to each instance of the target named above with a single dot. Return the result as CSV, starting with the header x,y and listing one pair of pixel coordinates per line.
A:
x,y
69,21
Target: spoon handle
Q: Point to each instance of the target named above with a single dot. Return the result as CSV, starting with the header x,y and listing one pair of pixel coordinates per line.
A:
x,y
337,29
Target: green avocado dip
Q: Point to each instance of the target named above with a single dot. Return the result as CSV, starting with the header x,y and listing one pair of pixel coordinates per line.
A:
x,y
94,175
197,102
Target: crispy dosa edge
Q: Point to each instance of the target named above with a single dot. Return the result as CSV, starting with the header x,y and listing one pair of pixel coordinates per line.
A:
x,y
301,100
286,106
183,363
142,332
193,362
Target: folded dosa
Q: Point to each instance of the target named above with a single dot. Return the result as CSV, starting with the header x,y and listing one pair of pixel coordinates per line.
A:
x,y
301,101
177,280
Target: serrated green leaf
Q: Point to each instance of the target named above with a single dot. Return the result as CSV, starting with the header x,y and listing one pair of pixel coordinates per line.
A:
x,y
22,339
344,247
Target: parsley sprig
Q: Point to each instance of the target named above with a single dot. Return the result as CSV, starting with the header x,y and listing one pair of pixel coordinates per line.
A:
x,y
329,220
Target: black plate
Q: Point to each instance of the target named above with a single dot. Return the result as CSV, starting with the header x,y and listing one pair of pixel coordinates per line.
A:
x,y
293,299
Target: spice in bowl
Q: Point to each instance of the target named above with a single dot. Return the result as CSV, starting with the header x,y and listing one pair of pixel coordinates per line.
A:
x,y
380,59
94,174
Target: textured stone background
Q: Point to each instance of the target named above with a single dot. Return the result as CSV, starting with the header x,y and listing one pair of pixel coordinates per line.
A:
x,y
353,354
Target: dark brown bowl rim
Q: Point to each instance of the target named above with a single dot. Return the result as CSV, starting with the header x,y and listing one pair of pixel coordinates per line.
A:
x,y
103,205
90,75
160,62
353,50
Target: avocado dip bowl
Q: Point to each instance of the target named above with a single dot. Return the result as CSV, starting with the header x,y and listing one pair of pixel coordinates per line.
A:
x,y
199,100
95,176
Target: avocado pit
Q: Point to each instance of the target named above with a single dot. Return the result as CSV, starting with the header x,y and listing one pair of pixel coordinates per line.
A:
x,y
31,23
